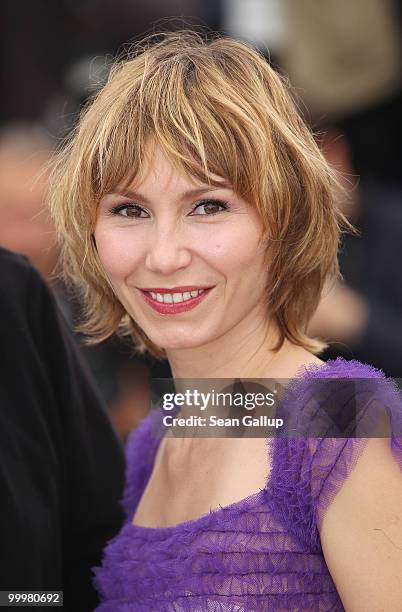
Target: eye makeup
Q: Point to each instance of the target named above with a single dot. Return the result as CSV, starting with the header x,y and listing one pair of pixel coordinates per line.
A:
x,y
134,211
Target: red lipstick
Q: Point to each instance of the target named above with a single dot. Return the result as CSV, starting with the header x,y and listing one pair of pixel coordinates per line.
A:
x,y
174,308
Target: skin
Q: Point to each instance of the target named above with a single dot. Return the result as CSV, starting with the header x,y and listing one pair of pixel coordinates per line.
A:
x,y
227,335
342,315
25,225
361,534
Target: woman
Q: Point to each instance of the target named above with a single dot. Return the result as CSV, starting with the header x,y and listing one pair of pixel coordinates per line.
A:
x,y
196,214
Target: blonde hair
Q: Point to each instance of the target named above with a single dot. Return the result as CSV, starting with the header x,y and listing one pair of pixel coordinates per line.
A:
x,y
215,106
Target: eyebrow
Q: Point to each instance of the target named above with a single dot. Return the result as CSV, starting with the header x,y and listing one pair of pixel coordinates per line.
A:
x,y
186,194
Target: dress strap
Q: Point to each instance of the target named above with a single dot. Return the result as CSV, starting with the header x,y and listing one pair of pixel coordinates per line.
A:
x,y
141,447
311,467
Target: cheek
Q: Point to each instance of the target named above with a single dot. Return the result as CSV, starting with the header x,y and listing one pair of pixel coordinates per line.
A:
x,y
117,253
233,249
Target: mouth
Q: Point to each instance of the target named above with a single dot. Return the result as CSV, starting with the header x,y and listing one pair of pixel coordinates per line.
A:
x,y
176,300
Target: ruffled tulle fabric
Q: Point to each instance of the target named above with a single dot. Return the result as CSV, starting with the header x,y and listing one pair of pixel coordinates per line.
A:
x,y
262,553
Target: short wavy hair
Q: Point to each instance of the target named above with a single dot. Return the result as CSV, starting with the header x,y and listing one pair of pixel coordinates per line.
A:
x,y
216,107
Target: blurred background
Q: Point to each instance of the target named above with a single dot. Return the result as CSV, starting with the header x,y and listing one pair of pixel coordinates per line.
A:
x,y
343,58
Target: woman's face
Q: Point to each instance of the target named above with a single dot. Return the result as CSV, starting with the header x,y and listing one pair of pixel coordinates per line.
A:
x,y
184,258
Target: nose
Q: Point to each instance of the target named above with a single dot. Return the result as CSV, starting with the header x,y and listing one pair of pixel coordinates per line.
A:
x,y
167,250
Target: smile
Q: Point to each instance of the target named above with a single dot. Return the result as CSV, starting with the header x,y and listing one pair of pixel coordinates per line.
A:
x,y
179,299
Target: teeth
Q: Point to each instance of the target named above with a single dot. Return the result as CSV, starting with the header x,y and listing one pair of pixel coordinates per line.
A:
x,y
170,298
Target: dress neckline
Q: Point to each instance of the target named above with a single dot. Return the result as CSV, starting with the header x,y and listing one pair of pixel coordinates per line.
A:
x,y
303,373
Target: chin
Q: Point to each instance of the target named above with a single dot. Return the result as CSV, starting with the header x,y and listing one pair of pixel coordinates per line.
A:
x,y
181,344
178,341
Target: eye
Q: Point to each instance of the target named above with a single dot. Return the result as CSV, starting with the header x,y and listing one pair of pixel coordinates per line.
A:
x,y
209,208
129,210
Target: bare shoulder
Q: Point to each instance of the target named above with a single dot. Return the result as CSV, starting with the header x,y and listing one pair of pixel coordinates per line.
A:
x,y
361,533
304,357
293,359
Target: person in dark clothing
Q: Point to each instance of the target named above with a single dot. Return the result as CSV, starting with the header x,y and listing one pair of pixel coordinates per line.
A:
x,y
61,465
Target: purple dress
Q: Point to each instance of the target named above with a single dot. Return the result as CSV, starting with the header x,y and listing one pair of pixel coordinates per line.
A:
x,y
261,553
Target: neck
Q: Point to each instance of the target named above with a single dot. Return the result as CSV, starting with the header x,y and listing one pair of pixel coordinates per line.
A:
x,y
245,351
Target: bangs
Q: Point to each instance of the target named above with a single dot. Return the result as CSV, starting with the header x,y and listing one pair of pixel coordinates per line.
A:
x,y
184,105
